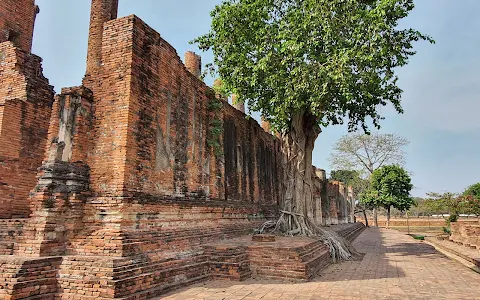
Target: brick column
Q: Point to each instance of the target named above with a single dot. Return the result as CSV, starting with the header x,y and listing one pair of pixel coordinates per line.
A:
x,y
265,125
240,105
102,11
193,62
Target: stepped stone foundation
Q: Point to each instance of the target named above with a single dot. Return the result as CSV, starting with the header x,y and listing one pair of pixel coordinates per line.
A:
x,y
119,188
292,258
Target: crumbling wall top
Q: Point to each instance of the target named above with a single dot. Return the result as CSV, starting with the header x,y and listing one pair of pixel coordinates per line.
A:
x,y
17,19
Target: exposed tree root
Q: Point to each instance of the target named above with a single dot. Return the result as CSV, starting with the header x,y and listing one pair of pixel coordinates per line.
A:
x,y
294,224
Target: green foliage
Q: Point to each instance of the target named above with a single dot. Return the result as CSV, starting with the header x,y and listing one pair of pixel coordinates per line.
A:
x,y
328,59
419,208
345,176
446,203
418,237
352,178
389,186
447,230
473,190
452,218
215,128
470,204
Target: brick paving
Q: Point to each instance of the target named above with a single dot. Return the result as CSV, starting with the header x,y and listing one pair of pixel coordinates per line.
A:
x,y
395,266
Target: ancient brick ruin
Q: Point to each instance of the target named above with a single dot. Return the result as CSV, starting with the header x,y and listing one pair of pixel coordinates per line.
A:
x,y
465,234
123,187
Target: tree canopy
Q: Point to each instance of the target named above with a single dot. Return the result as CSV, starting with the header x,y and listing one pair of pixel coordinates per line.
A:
x,y
345,176
473,190
306,64
453,204
368,152
328,59
389,186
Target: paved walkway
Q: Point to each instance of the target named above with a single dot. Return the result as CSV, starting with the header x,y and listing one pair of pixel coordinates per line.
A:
x,y
395,266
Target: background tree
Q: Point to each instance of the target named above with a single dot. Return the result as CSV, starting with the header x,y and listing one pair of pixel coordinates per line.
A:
x,y
435,206
390,186
305,64
345,176
473,190
472,199
367,153
359,185
454,204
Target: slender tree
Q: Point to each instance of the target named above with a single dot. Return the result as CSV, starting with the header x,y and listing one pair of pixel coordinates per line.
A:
x,y
390,186
306,64
367,153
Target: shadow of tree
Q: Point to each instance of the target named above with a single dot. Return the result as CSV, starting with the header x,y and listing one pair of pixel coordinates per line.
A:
x,y
378,261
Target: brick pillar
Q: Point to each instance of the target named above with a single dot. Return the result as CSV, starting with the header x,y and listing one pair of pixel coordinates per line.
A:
x,y
333,194
193,62
321,174
58,199
351,203
102,11
265,125
17,19
240,105
218,83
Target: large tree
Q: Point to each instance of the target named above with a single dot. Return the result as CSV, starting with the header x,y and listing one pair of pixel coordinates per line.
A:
x,y
390,186
306,64
368,152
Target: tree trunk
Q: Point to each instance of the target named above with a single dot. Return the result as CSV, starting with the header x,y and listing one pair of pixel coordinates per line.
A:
x,y
375,217
297,147
297,216
388,217
365,217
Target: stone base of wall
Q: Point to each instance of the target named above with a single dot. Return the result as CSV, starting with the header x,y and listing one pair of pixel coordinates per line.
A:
x,y
28,278
154,272
292,258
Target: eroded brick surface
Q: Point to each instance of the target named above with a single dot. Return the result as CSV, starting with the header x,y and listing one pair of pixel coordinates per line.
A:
x,y
126,178
465,234
25,107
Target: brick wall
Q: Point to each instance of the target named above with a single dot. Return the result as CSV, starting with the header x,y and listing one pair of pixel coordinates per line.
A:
x,y
17,18
134,179
25,106
156,115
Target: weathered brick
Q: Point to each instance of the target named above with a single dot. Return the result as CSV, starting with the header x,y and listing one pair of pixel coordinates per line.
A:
x,y
133,182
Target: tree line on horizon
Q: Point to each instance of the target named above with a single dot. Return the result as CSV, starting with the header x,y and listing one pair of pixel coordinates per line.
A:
x,y
372,165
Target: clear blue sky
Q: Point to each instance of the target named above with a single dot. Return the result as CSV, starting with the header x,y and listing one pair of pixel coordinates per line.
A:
x,y
441,84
